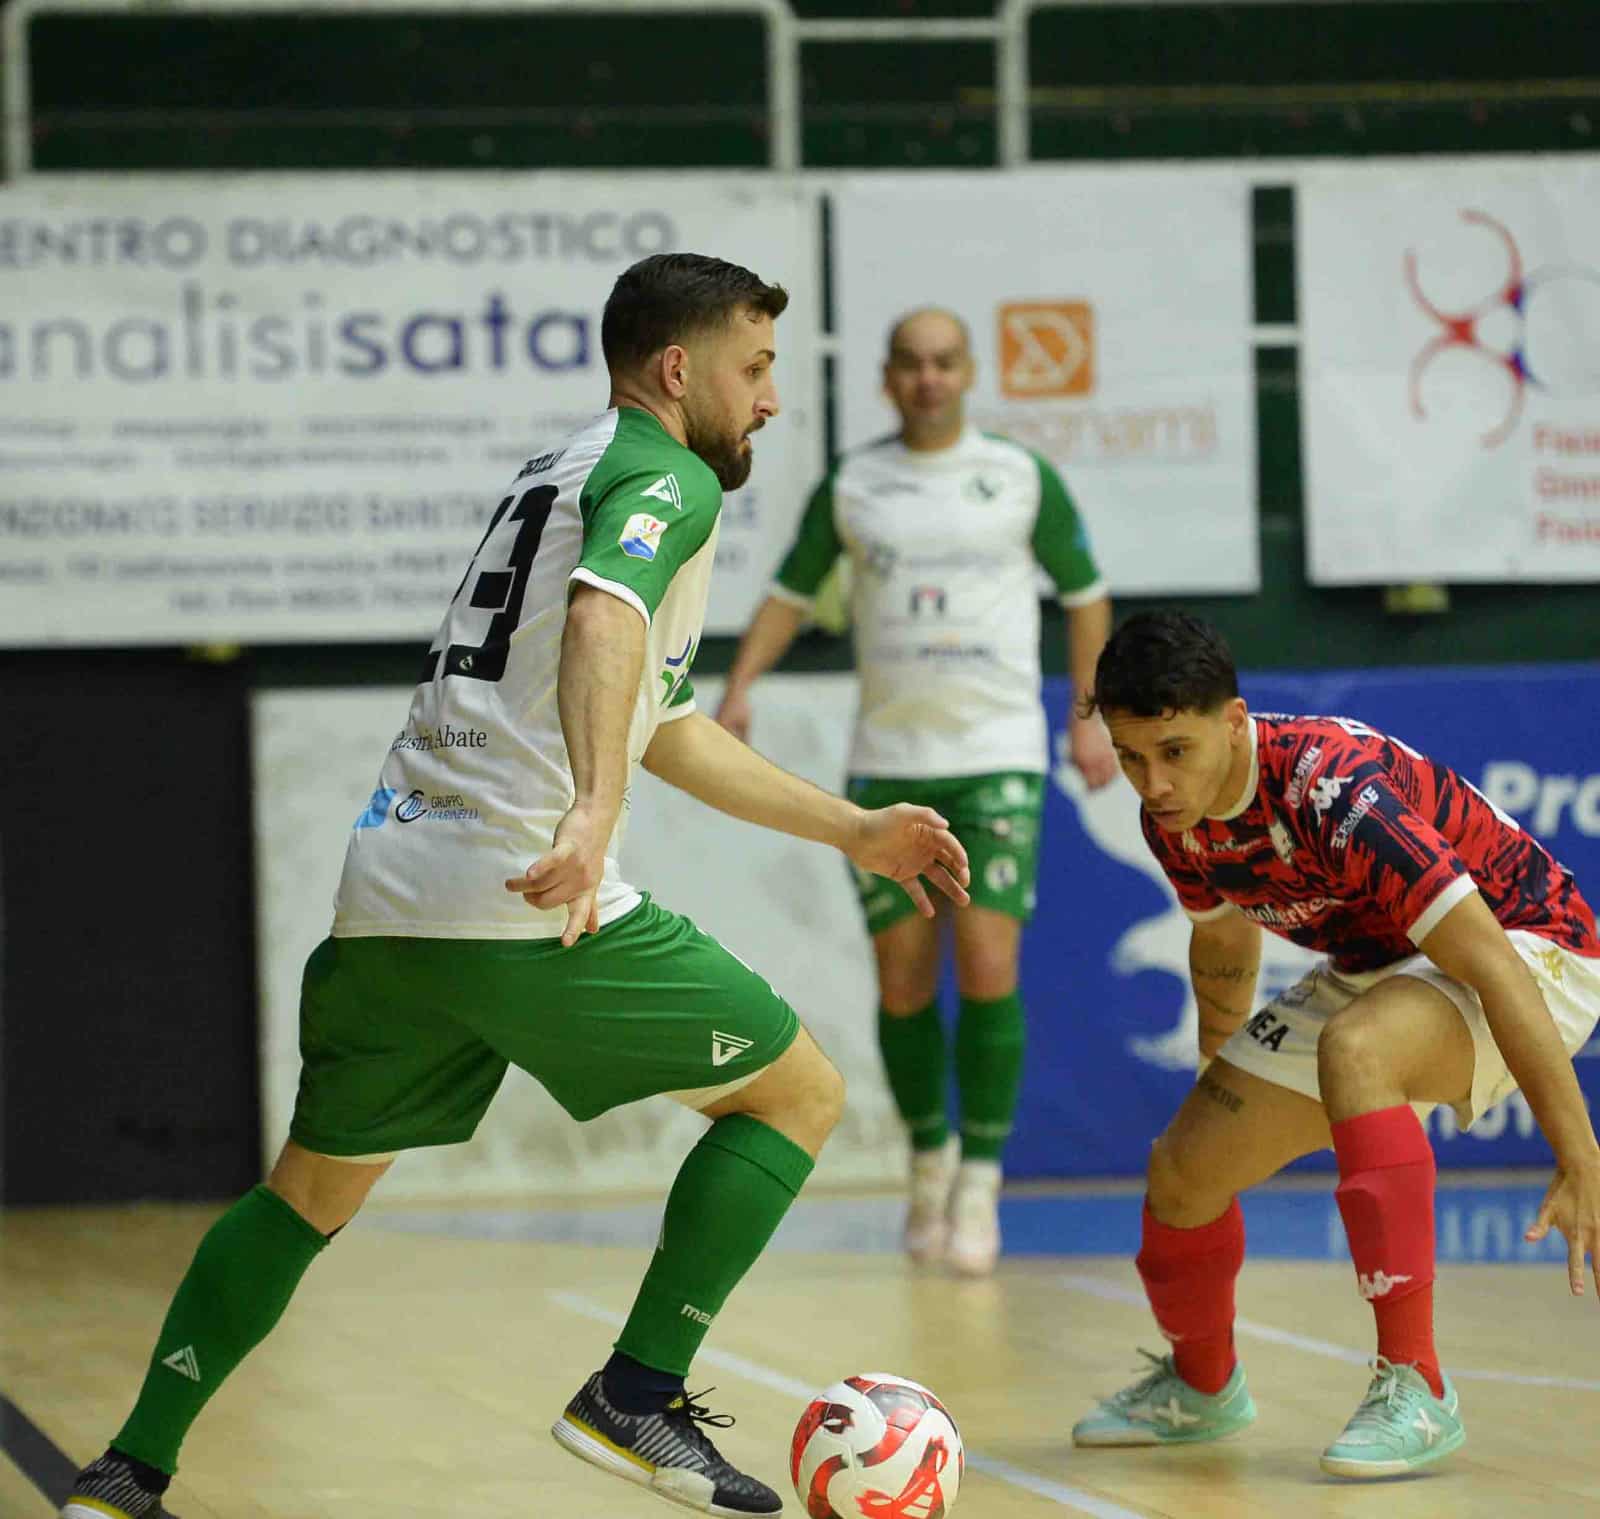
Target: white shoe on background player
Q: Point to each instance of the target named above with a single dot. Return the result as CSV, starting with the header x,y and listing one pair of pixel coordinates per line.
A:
x,y
975,1219
928,1215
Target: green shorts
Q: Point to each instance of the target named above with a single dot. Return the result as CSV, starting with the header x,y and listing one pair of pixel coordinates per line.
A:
x,y
996,817
404,1041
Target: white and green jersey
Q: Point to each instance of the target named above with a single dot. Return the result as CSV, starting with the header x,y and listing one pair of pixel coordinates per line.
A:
x,y
478,778
943,598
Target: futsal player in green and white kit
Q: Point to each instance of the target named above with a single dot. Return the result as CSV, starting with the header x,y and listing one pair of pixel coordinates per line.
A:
x,y
943,526
482,918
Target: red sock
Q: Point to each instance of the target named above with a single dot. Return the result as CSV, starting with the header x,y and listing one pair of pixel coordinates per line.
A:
x,y
1188,1276
1385,1197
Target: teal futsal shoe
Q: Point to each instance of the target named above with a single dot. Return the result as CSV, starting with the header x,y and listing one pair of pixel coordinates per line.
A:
x,y
1162,1409
1399,1427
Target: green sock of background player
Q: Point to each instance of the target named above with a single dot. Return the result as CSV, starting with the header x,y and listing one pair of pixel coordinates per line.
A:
x,y
990,1039
914,1060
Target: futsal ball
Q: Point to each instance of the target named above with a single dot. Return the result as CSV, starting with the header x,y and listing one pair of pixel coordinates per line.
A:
x,y
876,1447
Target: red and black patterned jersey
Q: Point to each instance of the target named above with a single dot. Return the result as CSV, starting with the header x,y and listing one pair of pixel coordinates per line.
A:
x,y
1353,844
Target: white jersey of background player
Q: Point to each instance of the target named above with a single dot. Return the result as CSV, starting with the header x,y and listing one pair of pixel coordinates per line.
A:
x,y
945,529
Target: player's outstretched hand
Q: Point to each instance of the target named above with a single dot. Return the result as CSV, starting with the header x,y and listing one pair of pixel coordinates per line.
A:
x,y
905,842
734,715
1089,744
568,874
1572,1206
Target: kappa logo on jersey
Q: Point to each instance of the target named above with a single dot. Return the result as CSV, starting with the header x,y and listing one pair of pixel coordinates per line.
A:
x,y
183,1362
641,538
726,1047
666,489
1325,792
1046,349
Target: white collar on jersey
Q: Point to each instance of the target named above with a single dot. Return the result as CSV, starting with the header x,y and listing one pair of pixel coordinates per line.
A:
x,y
1249,794
942,458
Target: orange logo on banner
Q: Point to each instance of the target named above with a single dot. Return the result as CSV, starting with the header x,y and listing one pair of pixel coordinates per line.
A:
x,y
1046,349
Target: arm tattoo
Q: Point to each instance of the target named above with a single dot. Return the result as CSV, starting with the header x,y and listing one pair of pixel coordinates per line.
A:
x,y
1222,972
1215,1005
1219,1094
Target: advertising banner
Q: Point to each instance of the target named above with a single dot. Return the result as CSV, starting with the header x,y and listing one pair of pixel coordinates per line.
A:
x,y
283,408
1112,1018
1110,321
1450,370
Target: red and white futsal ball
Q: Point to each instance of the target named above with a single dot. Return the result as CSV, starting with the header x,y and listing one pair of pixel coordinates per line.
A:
x,y
876,1447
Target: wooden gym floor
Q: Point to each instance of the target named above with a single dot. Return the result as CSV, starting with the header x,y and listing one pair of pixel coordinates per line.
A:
x,y
417,1372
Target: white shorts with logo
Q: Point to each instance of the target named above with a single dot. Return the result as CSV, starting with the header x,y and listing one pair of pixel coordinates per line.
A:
x,y
1279,1043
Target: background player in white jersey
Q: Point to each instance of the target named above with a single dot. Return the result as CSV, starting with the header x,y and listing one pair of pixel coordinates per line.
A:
x,y
562,664
943,527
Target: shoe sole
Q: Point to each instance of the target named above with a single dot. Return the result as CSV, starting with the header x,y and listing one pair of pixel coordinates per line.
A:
x,y
1114,1438
1359,1471
590,1448
1145,1435
93,1508
971,1265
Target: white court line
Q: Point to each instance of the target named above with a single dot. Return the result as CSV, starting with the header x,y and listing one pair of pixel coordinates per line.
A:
x,y
1095,1287
763,1376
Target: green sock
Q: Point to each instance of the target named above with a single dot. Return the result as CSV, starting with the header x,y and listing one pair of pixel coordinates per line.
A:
x,y
732,1191
990,1037
240,1281
914,1060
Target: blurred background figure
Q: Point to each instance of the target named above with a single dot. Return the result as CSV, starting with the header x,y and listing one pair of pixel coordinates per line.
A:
x,y
944,526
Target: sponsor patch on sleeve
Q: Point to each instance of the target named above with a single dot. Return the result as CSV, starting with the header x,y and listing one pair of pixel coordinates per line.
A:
x,y
642,536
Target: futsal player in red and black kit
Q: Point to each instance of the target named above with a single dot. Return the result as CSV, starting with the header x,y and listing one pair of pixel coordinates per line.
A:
x,y
1462,964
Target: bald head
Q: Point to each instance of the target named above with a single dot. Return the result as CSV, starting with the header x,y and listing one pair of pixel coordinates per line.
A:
x,y
927,374
929,327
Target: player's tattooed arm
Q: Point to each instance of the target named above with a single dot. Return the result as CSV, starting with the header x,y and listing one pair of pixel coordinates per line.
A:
x,y
1224,960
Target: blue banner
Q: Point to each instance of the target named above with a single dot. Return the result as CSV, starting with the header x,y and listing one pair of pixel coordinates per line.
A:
x,y
1105,964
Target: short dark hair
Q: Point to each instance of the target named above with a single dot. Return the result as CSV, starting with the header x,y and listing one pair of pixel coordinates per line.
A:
x,y
670,296
1158,663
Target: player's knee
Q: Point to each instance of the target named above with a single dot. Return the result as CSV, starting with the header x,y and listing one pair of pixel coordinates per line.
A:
x,y
825,1100
904,996
1169,1186
987,978
811,1100
1351,1044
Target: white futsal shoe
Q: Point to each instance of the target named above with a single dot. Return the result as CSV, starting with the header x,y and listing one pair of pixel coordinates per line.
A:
x,y
975,1219
928,1215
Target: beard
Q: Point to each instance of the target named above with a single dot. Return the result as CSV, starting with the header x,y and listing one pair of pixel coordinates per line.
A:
x,y
728,458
